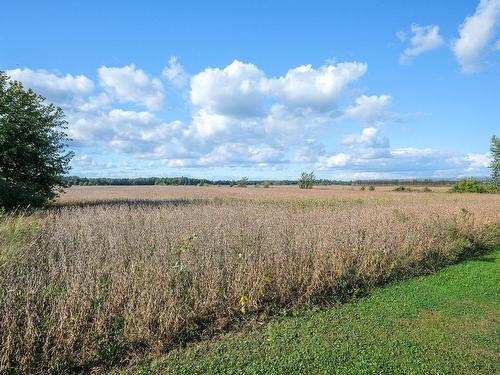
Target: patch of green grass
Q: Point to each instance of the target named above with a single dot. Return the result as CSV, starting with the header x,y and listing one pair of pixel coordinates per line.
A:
x,y
445,323
16,233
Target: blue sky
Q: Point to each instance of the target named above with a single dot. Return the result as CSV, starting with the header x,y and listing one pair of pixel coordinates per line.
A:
x,y
265,89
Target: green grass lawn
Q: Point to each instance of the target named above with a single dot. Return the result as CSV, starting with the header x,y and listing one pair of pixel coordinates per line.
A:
x,y
445,323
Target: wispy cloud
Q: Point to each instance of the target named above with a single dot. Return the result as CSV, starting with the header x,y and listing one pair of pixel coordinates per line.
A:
x,y
175,73
423,39
475,35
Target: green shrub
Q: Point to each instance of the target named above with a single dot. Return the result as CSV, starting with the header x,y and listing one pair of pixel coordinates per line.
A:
x,y
471,185
405,188
243,182
363,188
371,188
306,180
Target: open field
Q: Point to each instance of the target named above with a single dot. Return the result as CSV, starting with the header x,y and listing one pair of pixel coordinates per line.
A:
x,y
92,194
113,274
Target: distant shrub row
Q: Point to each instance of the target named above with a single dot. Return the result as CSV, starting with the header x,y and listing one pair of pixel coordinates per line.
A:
x,y
102,181
426,189
371,188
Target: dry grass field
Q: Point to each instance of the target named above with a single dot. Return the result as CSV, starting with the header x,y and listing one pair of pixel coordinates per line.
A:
x,y
111,274
93,194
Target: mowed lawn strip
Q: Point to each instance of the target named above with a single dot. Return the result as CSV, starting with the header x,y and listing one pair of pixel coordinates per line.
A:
x,y
445,323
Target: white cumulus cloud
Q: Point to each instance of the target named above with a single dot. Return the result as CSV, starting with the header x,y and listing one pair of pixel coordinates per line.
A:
x,y
333,161
234,90
319,88
370,109
241,154
130,84
240,117
55,87
241,89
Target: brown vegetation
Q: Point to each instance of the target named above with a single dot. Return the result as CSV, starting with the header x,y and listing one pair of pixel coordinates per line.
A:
x,y
113,272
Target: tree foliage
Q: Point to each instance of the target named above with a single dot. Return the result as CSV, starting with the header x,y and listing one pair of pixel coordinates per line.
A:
x,y
306,180
495,162
471,185
33,155
243,182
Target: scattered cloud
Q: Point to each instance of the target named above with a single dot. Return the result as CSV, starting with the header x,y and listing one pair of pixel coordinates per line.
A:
x,y
402,163
369,155
308,152
370,109
320,88
234,90
130,84
241,154
478,161
333,161
369,137
367,145
475,35
424,39
240,117
93,103
241,89
175,73
401,35
55,87
87,163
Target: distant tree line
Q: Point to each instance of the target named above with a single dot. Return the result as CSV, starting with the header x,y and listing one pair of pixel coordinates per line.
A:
x,y
408,182
179,181
175,181
85,181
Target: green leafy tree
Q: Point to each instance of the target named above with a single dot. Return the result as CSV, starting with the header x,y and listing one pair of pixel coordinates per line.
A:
x,y
495,162
33,155
243,182
306,180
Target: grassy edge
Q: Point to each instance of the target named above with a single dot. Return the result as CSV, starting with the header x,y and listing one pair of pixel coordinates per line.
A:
x,y
238,350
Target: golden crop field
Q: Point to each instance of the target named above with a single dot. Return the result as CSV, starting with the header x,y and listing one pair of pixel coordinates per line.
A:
x,y
107,273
